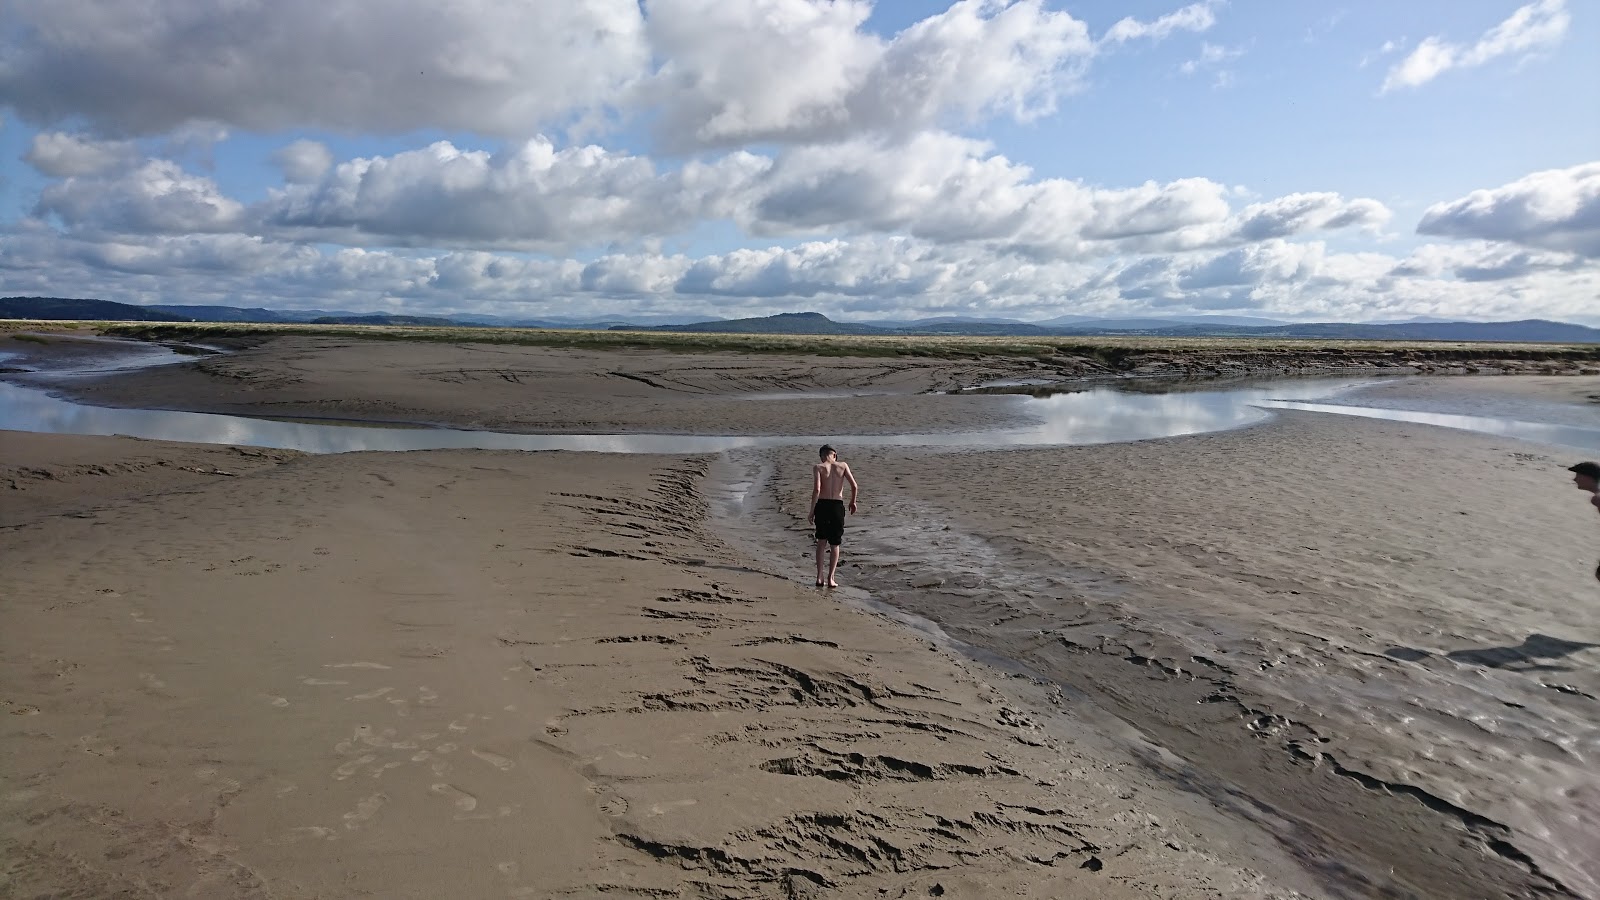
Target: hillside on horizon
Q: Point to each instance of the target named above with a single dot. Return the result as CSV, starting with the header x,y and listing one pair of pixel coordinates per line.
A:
x,y
815,323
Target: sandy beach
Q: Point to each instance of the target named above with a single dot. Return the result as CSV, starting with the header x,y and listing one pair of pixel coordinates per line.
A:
x,y
1321,656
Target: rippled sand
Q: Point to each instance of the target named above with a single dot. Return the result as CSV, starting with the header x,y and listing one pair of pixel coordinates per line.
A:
x,y
1386,634
1323,655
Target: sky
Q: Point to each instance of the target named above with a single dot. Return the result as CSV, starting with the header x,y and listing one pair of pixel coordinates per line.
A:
x,y
1365,161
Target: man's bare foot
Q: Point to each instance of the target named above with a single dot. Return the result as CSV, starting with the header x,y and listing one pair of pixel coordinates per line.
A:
x,y
832,583
819,584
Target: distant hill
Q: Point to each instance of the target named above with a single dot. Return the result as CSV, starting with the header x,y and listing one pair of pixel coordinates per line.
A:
x,y
421,321
1524,331
782,323
229,314
97,310
942,321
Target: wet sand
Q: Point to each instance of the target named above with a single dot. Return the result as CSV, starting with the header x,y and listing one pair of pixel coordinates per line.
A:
x,y
1253,663
484,674
1387,635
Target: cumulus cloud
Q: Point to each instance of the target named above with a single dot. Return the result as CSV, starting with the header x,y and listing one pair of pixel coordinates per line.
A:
x,y
1533,27
1297,213
933,186
1478,261
61,155
157,196
303,162
868,276
1196,17
946,188
1557,209
491,66
804,70
710,74
532,196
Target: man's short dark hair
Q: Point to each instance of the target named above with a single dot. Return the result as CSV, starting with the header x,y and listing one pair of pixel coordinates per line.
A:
x,y
1591,469
823,453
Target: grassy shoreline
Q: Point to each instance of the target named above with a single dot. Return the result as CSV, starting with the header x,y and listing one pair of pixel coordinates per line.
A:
x,y
1115,351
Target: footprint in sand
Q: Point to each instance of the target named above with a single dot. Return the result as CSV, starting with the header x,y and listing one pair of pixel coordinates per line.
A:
x,y
310,833
276,701
494,759
661,809
463,801
364,811
613,805
371,695
353,766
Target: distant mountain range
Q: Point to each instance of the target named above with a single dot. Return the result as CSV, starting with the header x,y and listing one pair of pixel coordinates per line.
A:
x,y
1528,330
1420,329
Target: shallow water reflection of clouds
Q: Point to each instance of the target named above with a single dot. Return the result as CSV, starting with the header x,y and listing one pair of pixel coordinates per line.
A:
x,y
1095,416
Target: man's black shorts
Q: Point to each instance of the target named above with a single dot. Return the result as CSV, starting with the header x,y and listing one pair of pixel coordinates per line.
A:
x,y
830,521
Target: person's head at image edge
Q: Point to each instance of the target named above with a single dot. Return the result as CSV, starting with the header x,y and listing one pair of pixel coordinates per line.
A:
x,y
827,453
1586,475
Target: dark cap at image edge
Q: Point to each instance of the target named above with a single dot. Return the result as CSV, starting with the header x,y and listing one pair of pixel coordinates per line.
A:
x,y
1591,469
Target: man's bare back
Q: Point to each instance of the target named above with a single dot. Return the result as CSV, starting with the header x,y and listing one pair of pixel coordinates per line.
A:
x,y
831,477
828,479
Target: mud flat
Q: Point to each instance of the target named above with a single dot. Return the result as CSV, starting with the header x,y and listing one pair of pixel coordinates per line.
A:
x,y
1324,657
1383,637
687,385
503,674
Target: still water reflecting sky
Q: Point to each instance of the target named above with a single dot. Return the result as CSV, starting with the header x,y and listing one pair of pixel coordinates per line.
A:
x,y
1096,416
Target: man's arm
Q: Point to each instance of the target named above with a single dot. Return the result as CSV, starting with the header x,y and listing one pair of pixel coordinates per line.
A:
x,y
816,491
854,488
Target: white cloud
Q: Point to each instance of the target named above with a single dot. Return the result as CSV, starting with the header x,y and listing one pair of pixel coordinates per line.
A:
x,y
303,162
1480,261
1196,17
1532,27
1557,209
155,197
1298,213
1211,56
61,155
934,186
863,277
949,189
709,74
491,66
804,70
532,196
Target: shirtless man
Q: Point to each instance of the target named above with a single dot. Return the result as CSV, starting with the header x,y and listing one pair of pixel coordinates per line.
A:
x,y
1586,476
828,479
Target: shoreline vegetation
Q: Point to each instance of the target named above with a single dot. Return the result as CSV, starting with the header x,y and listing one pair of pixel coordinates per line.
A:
x,y
1064,356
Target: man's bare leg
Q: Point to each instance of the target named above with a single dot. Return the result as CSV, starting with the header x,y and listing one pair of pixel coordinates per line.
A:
x,y
821,548
833,564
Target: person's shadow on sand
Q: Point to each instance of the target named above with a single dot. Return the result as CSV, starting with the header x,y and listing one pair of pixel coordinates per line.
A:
x,y
1524,657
